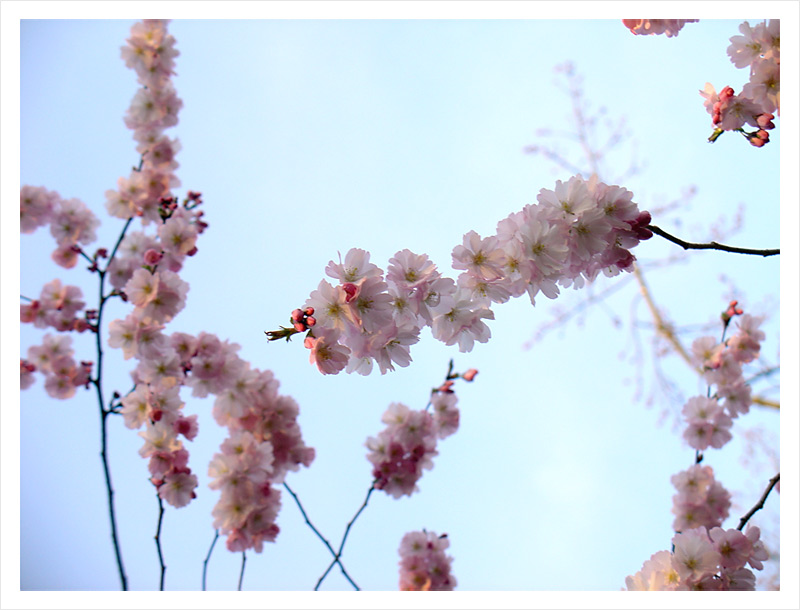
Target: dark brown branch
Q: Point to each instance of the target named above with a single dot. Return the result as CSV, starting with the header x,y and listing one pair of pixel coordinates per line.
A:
x,y
711,245
772,483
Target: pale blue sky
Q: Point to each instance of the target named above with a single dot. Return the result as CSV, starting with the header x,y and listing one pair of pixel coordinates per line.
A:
x,y
395,134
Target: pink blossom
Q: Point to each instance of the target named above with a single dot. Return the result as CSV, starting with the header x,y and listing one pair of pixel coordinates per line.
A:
x,y
371,304
142,288
733,546
657,574
410,271
136,407
26,370
759,552
445,414
747,48
424,566
326,352
178,488
645,27
694,555
36,207
330,304
73,222
356,267
738,580
66,255
462,323
480,257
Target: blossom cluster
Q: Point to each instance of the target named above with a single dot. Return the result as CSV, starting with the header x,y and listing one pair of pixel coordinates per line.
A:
x,y
57,307
710,418
571,235
71,222
54,359
151,53
649,27
701,500
424,566
407,445
704,559
760,98
264,444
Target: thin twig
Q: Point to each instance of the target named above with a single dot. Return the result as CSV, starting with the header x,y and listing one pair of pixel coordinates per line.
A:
x,y
712,245
338,555
98,384
158,541
321,537
208,556
772,482
241,574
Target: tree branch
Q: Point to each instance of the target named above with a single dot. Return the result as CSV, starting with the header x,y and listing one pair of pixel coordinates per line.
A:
x,y
208,556
158,541
324,541
241,573
344,539
711,245
772,482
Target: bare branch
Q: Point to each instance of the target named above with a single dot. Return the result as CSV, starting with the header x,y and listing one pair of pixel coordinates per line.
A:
x,y
711,245
760,504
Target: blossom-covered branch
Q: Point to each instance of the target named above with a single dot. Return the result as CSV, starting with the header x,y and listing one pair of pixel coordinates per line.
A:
x,y
573,234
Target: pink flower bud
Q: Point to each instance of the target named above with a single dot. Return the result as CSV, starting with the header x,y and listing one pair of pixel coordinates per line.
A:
x,y
297,316
445,387
152,257
299,327
309,311
311,321
469,375
725,94
350,290
765,121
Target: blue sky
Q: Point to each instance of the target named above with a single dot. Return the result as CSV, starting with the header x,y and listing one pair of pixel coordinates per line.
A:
x,y
392,134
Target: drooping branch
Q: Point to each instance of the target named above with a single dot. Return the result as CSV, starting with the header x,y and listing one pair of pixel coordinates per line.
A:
x,y
760,504
712,245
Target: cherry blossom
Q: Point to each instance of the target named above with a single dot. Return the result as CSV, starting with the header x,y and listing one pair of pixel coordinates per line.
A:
x,y
424,565
645,27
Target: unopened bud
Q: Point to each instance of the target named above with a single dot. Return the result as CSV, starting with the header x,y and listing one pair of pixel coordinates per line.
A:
x,y
152,257
350,290
765,120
